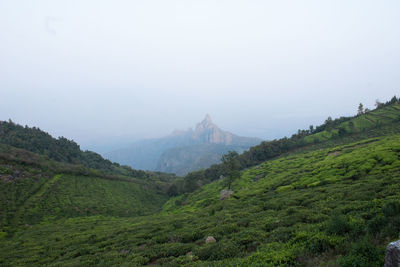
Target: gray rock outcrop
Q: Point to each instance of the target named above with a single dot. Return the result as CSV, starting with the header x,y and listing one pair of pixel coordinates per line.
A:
x,y
210,239
392,258
225,194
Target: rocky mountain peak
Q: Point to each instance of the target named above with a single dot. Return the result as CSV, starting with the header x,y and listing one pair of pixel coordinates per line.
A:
x,y
206,123
207,132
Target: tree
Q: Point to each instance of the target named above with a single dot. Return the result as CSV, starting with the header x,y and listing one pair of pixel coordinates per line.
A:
x,y
173,190
394,100
329,124
360,109
191,181
231,166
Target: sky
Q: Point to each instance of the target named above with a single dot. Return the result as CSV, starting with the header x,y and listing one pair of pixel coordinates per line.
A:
x,y
106,73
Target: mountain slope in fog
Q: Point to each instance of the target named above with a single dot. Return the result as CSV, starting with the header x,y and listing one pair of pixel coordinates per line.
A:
x,y
183,151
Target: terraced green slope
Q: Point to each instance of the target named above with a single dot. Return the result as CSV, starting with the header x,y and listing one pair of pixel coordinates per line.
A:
x,y
382,121
66,196
368,121
334,206
327,197
34,189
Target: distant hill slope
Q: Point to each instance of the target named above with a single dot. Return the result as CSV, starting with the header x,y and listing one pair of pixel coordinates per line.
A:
x,y
61,150
384,120
183,151
326,207
44,178
182,160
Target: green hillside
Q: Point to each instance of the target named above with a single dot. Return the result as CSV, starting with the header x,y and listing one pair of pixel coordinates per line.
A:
x,y
337,205
35,188
385,120
326,197
62,150
65,196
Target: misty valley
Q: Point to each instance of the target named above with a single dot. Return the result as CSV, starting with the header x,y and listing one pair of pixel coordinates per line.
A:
x,y
325,196
199,133
183,151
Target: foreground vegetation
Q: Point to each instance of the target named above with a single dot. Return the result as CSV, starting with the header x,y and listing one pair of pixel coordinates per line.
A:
x,y
335,201
339,205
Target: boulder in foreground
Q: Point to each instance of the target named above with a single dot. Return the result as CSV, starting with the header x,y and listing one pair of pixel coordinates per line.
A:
x,y
392,258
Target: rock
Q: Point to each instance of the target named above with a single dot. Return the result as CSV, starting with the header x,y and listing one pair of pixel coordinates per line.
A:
x,y
207,132
392,258
190,255
124,251
210,239
225,194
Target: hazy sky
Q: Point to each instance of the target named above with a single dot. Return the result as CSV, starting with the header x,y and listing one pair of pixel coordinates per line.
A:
x,y
100,71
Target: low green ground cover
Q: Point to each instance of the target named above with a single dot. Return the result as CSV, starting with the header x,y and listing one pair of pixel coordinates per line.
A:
x,y
334,206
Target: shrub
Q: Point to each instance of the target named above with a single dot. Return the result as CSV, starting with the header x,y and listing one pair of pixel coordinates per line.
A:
x,y
316,242
273,254
338,225
391,208
177,249
205,252
319,243
375,225
191,236
363,254
217,251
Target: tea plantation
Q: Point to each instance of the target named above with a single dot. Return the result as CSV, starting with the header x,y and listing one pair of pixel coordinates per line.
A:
x,y
334,202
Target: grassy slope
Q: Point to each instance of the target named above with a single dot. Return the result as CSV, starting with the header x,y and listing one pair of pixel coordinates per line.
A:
x,y
380,122
33,190
65,196
370,120
312,205
336,205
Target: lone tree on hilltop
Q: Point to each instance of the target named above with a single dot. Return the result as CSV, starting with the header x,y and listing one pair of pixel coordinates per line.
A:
x,y
231,167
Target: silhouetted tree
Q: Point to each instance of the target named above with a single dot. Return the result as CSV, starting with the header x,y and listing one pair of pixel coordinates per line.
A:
x,y
360,109
394,100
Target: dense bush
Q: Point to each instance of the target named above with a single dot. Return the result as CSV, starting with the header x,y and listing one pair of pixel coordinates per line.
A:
x,y
363,254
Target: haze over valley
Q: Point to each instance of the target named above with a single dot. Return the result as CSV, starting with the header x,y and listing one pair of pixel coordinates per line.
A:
x,y
200,133
107,74
183,151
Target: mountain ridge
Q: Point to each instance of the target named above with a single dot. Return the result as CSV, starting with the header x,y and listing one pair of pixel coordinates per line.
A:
x,y
150,154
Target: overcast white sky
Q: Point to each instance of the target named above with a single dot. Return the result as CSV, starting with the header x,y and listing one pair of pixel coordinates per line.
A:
x,y
96,71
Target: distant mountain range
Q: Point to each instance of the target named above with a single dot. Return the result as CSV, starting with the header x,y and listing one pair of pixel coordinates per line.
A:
x,y
183,151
